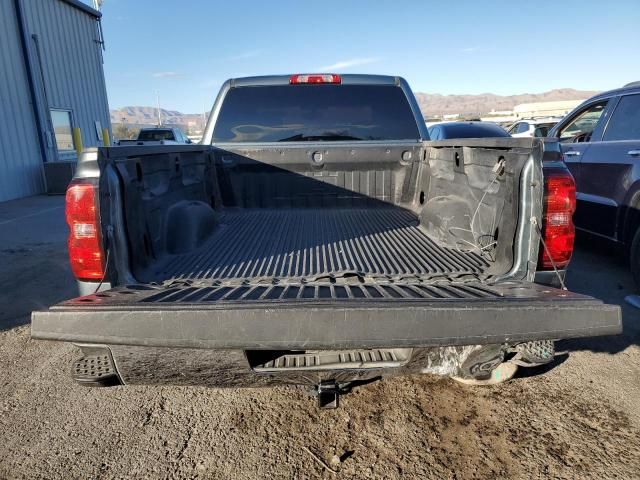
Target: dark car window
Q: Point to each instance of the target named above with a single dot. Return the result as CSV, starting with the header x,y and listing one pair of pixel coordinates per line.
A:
x,y
542,129
625,121
315,113
582,126
155,135
519,127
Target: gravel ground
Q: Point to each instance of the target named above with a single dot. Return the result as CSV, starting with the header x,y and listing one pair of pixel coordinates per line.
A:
x,y
578,419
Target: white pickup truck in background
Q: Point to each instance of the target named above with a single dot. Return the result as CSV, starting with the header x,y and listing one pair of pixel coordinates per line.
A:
x,y
158,136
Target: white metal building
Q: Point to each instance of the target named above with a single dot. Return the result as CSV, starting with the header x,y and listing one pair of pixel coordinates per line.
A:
x,y
51,81
546,109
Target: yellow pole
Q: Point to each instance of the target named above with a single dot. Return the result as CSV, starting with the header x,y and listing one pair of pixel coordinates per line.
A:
x,y
77,140
105,137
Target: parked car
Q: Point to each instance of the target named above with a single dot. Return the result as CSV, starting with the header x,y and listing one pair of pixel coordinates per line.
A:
x,y
532,127
446,130
164,136
600,141
316,237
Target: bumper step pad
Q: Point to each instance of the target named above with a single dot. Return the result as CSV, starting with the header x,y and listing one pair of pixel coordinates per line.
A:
x,y
95,370
336,360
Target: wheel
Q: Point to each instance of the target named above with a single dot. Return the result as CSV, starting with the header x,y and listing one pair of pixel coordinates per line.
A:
x,y
486,366
503,372
635,258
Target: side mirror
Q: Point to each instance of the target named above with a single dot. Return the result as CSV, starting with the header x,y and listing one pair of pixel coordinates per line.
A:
x,y
188,140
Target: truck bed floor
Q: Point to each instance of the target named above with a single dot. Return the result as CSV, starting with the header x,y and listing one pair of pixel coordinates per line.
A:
x,y
310,243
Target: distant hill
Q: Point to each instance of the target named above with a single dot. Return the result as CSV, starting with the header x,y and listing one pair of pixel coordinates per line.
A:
x,y
148,116
431,104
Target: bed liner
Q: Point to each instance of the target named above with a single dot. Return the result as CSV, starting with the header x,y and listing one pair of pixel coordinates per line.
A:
x,y
313,243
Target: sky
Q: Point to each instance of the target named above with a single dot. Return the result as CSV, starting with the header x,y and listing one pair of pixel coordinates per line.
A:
x,y
186,49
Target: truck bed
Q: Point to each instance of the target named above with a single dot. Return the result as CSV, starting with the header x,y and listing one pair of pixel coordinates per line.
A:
x,y
311,243
236,267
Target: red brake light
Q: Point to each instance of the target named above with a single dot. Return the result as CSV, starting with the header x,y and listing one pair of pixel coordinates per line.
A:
x,y
315,78
85,244
558,230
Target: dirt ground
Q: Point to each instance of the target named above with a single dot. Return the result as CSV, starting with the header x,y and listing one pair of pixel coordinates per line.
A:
x,y
579,418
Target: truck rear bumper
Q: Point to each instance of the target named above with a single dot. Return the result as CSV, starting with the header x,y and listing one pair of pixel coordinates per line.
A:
x,y
237,368
513,312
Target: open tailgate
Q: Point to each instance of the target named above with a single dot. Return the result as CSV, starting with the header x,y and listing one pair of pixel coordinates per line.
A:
x,y
326,316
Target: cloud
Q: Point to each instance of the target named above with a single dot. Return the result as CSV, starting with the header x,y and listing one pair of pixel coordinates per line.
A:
x,y
469,49
166,74
343,64
211,83
245,55
216,82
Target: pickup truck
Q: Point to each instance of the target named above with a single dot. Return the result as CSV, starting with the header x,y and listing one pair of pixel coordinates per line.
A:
x,y
158,136
317,237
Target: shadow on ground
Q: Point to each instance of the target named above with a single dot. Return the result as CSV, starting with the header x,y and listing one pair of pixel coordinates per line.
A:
x,y
34,270
599,270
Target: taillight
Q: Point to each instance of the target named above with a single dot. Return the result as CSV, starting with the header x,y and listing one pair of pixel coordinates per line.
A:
x,y
315,78
558,230
85,243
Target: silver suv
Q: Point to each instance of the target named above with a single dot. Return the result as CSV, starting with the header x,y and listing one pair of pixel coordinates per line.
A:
x,y
533,127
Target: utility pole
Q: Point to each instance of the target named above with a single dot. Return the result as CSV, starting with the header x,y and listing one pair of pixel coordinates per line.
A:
x,y
158,103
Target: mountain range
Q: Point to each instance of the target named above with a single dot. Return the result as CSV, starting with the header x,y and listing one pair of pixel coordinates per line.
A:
x,y
148,116
431,104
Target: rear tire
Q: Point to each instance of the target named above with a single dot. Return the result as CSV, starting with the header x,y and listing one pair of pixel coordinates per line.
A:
x,y
502,373
635,258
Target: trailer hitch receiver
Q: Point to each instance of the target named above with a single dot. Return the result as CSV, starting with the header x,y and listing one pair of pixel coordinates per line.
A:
x,y
328,394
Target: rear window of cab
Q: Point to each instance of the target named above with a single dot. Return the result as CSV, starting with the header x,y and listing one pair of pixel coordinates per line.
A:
x,y
298,113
